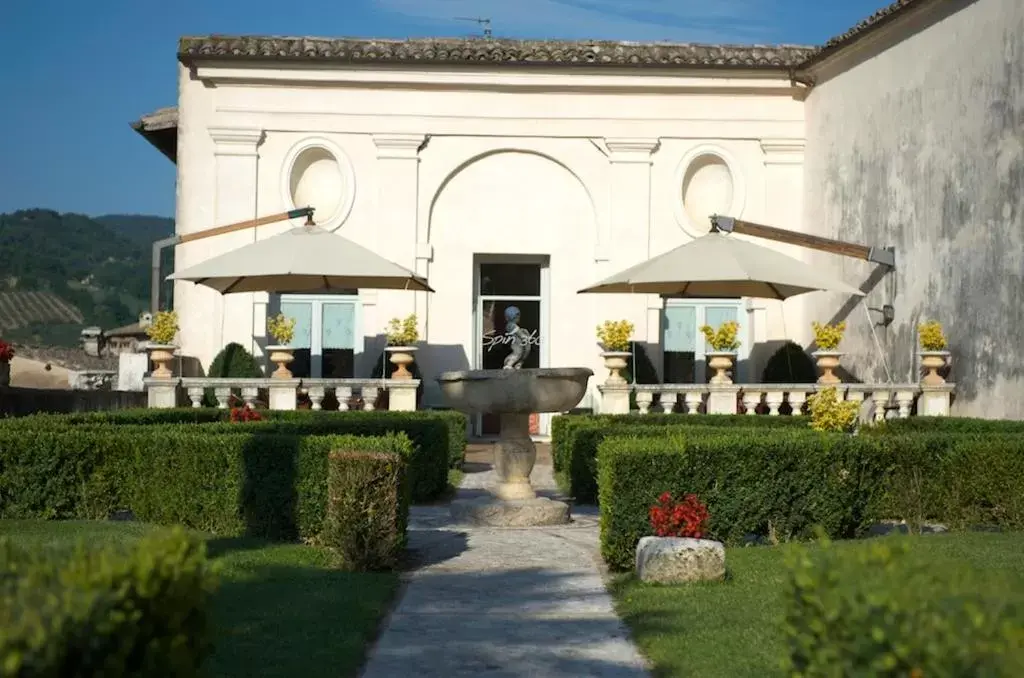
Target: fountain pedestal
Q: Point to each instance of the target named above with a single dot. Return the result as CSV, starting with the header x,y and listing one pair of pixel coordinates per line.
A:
x,y
513,395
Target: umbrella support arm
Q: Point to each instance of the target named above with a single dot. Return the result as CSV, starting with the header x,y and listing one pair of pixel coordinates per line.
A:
x,y
160,245
885,256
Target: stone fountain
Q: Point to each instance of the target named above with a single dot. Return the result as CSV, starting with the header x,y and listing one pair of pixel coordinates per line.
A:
x,y
514,393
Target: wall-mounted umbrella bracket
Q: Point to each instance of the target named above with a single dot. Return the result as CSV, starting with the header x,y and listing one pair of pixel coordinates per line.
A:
x,y
160,245
879,255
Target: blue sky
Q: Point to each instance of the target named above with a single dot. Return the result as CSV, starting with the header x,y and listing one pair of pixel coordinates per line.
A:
x,y
75,74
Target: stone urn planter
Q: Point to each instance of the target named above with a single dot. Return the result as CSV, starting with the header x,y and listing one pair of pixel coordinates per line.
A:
x,y
281,356
5,373
161,355
402,357
721,362
828,361
615,361
672,560
933,361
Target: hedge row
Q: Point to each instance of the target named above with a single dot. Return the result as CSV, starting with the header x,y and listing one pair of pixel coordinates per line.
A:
x,y
108,612
266,484
439,437
781,486
574,440
877,609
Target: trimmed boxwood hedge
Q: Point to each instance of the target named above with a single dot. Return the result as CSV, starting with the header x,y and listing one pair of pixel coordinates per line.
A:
x,y
574,440
783,484
439,437
259,483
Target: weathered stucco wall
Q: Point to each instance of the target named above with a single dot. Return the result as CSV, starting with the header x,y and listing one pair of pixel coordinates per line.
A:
x,y
919,144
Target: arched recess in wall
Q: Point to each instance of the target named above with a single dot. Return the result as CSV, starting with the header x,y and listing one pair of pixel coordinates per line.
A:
x,y
483,161
318,173
707,181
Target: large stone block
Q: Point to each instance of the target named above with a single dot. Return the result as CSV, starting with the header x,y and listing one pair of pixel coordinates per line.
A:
x,y
488,511
669,560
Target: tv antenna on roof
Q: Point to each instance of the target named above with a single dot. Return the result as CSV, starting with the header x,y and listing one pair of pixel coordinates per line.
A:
x,y
486,23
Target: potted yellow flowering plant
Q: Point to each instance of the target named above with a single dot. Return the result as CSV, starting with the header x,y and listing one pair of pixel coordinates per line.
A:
x,y
933,351
827,338
724,342
402,335
161,332
282,329
615,337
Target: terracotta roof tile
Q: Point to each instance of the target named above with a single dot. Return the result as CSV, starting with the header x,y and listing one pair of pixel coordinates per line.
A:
x,y
876,20
483,51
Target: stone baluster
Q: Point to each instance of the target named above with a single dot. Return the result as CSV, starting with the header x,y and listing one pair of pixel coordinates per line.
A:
x,y
195,394
249,394
796,402
693,401
880,399
774,400
369,394
905,400
223,395
643,401
343,393
316,396
751,399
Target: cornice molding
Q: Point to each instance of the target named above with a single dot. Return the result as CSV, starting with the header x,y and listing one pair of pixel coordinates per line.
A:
x,y
399,146
783,151
236,141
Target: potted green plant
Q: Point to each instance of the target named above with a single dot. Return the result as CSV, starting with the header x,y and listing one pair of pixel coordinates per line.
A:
x,y
161,332
933,351
282,329
724,342
615,337
827,338
402,335
6,354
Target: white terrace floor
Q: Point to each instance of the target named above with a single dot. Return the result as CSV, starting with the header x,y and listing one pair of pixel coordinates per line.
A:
x,y
503,602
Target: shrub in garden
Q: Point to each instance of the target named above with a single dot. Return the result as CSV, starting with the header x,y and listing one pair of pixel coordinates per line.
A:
x,y
574,440
233,362
684,518
790,365
106,613
238,482
829,413
367,509
244,414
871,610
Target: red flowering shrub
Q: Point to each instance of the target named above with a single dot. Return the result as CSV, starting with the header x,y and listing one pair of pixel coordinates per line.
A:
x,y
6,352
686,518
245,413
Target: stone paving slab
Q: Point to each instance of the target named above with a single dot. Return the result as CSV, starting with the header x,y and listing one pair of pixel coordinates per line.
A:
x,y
504,602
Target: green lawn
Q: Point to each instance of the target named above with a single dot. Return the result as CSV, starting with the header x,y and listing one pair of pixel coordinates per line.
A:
x,y
281,610
733,628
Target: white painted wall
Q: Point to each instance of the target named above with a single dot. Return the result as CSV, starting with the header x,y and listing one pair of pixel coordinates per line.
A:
x,y
586,167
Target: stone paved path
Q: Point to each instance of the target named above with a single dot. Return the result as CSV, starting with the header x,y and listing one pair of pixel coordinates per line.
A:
x,y
504,602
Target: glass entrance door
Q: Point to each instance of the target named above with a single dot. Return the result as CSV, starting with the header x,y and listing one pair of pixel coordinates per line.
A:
x,y
325,334
685,348
499,286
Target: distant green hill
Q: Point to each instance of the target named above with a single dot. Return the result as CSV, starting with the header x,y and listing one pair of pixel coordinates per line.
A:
x,y
99,268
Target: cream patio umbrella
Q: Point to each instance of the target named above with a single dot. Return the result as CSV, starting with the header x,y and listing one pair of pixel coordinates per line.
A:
x,y
303,259
718,265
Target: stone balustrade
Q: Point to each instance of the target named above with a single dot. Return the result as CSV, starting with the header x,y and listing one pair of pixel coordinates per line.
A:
x,y
283,394
879,401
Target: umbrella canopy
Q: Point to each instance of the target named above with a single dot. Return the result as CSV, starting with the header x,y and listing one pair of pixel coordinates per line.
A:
x,y
717,265
304,259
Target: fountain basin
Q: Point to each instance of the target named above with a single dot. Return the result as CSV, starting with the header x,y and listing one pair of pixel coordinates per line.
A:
x,y
523,391
513,395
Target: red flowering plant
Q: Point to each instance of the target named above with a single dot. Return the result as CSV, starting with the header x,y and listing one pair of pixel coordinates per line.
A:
x,y
686,518
6,352
245,413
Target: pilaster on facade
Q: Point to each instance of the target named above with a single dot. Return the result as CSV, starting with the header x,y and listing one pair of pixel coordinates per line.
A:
x,y
399,146
783,151
631,150
236,141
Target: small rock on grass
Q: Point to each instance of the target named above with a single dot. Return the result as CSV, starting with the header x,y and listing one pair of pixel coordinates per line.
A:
x,y
670,560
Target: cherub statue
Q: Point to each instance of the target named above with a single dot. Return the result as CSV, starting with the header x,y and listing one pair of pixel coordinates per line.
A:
x,y
519,338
